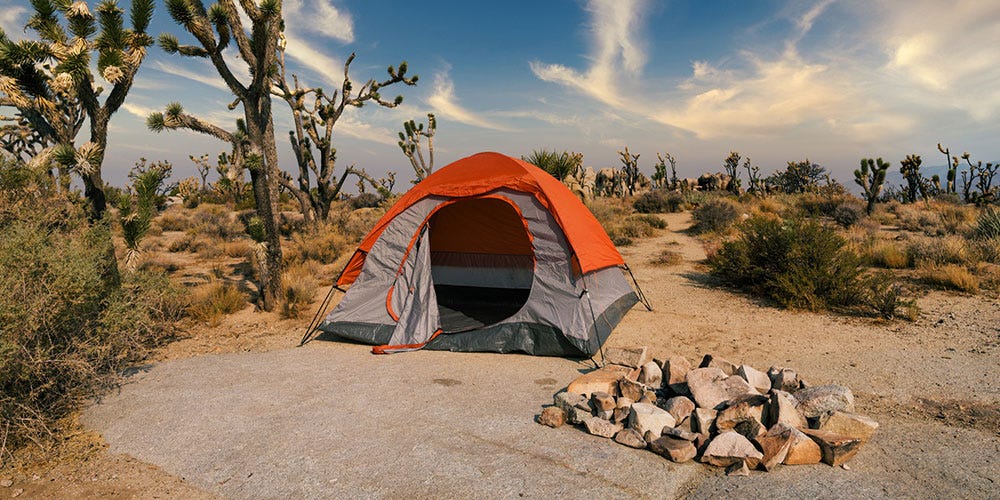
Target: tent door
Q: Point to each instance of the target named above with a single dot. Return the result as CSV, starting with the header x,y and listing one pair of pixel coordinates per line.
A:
x,y
414,301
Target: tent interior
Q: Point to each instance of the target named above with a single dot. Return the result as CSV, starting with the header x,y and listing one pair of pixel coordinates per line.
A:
x,y
482,262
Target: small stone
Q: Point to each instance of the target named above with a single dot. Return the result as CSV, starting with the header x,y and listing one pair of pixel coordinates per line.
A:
x,y
602,401
673,449
756,378
713,361
730,447
649,417
623,402
738,469
836,448
782,410
680,433
820,399
783,379
650,436
16,493
704,420
775,449
602,428
575,406
552,416
620,415
651,375
631,390
6,483
802,450
630,438
850,425
603,379
744,415
686,425
633,357
675,370
711,387
648,397
679,406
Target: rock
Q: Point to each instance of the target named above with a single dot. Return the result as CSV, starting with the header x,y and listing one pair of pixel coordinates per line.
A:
x,y
673,449
633,357
675,370
756,378
567,399
603,404
649,417
576,406
850,425
744,415
775,449
650,436
783,379
620,415
6,483
686,425
738,469
630,438
704,420
650,375
680,407
602,428
623,402
648,397
836,448
680,433
820,399
552,416
713,361
603,379
631,390
16,493
802,449
712,387
730,447
782,409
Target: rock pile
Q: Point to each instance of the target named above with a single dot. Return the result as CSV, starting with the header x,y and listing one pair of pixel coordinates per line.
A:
x,y
720,413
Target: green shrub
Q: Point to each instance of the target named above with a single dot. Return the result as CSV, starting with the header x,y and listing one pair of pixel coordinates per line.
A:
x,y
716,214
659,201
66,330
848,214
799,264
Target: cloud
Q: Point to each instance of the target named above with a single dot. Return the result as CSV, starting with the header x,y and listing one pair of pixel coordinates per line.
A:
x,y
12,20
615,50
207,77
138,110
353,127
446,105
325,20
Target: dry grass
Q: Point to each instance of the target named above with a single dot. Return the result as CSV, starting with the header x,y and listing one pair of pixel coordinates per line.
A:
x,y
885,254
940,250
298,287
324,245
989,250
949,276
668,258
214,300
955,219
240,248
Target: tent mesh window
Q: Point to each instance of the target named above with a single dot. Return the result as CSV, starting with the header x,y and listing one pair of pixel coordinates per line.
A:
x,y
482,262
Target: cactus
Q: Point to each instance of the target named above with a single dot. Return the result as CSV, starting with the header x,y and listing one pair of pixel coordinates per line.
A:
x,y
732,166
629,170
871,178
409,142
916,185
50,81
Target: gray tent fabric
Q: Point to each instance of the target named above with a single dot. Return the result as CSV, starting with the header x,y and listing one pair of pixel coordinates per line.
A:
x,y
418,316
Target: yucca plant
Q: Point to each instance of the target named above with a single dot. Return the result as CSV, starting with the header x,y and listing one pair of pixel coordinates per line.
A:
x,y
988,224
136,215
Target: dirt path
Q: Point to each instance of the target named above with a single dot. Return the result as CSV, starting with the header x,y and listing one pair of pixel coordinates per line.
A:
x,y
330,419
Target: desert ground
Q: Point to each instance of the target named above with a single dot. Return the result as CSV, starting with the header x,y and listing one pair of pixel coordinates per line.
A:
x,y
241,412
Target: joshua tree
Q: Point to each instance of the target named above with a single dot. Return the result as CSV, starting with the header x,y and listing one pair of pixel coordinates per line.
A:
x,y
50,82
315,113
798,177
258,47
756,185
409,142
630,170
952,163
139,206
732,166
871,178
916,185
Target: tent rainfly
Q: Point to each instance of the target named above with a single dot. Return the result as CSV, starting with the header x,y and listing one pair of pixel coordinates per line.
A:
x,y
489,253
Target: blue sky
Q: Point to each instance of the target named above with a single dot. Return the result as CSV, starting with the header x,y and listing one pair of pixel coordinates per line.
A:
x,y
833,81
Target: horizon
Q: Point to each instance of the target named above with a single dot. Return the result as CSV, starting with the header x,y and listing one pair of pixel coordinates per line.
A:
x,y
778,81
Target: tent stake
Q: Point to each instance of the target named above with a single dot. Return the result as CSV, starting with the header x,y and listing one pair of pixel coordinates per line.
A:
x,y
321,312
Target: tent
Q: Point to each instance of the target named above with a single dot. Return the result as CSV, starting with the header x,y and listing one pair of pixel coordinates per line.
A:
x,y
489,253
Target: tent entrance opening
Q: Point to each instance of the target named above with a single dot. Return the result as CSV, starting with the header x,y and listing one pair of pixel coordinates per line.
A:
x,y
482,263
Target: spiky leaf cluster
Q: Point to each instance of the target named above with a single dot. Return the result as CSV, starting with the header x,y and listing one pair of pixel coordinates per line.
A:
x,y
871,178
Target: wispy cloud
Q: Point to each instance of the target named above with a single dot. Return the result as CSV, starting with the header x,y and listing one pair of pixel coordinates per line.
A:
x,y
12,20
207,77
617,49
446,105
138,110
326,21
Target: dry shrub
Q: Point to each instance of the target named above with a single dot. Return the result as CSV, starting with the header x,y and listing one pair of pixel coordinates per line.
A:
x,y
668,258
213,300
950,276
940,250
715,215
989,250
769,206
360,221
237,248
955,219
298,287
608,211
916,218
658,201
217,220
886,254
323,244
174,219
158,263
624,232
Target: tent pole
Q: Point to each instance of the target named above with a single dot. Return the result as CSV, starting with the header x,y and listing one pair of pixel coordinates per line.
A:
x,y
316,320
600,344
642,296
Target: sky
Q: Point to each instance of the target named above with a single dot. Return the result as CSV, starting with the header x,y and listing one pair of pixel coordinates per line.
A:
x,y
776,80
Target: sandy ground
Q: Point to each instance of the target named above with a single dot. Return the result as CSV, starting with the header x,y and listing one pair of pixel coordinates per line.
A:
x,y
931,383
